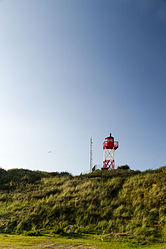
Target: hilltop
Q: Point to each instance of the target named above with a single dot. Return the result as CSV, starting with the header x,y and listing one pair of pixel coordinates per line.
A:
x,y
121,202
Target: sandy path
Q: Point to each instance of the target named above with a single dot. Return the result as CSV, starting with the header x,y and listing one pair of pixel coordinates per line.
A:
x,y
68,246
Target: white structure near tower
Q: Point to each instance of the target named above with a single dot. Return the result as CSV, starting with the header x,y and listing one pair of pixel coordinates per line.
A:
x,y
91,154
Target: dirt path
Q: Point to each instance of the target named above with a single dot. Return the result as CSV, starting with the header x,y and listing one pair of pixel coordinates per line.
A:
x,y
52,246
68,246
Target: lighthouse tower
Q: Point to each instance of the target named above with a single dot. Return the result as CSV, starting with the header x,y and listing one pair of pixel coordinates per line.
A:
x,y
109,147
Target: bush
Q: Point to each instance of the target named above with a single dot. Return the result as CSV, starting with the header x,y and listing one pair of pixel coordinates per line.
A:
x,y
124,167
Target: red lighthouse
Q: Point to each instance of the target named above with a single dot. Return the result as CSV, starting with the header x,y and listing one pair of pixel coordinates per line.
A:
x,y
109,147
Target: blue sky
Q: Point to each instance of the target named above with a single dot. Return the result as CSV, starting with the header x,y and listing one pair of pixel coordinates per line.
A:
x,y
72,69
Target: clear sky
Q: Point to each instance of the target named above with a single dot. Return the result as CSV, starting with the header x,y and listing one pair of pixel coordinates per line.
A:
x,y
72,69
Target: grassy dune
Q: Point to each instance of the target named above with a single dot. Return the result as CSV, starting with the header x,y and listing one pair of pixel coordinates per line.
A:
x,y
121,203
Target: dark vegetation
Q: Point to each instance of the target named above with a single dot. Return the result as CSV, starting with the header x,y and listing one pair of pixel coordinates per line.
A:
x,y
119,202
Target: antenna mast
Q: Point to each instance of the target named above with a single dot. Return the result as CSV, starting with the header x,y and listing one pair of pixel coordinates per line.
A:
x,y
91,154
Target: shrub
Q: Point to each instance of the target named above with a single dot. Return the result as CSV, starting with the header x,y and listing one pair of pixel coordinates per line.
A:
x,y
124,167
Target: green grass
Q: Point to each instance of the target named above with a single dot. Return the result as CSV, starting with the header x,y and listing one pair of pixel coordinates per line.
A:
x,y
102,202
19,241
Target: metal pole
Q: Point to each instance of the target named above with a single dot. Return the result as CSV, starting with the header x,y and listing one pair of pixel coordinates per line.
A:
x,y
91,154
